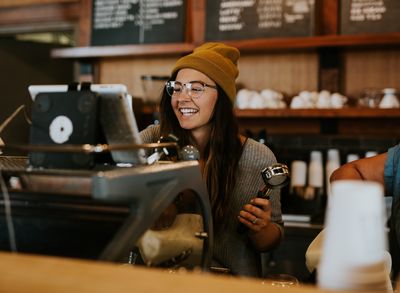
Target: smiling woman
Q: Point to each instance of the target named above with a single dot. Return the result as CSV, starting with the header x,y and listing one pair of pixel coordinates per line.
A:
x,y
194,107
197,107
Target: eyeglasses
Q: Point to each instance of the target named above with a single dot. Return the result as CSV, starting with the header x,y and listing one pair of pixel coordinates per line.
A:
x,y
194,89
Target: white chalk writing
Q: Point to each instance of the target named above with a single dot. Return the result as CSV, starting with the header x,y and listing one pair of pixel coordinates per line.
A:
x,y
367,10
112,14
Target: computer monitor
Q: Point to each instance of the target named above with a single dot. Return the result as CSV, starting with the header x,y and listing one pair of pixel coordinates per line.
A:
x,y
114,113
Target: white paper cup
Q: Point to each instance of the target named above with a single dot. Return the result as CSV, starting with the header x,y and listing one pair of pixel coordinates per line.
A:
x,y
354,246
332,163
315,170
298,173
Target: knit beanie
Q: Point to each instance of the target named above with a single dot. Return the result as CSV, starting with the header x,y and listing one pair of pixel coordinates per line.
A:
x,y
216,60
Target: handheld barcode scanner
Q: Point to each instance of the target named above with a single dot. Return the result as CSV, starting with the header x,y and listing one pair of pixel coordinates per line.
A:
x,y
275,176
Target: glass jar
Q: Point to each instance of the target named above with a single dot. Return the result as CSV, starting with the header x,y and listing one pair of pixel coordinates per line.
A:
x,y
370,98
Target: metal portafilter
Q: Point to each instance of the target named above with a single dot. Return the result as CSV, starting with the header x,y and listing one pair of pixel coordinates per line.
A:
x,y
189,153
186,153
169,154
164,153
275,176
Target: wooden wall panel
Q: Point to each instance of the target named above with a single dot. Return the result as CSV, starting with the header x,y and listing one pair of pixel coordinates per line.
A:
x,y
272,126
10,3
129,70
377,68
289,73
36,16
375,128
85,22
196,27
286,72
327,17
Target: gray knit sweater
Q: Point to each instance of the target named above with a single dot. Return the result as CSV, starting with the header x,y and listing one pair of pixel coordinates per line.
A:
x,y
231,249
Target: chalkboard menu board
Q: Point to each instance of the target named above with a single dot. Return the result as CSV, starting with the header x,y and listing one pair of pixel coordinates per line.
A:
x,y
369,16
118,22
248,19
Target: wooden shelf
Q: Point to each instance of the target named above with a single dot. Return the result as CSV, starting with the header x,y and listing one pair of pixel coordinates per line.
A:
x,y
318,42
244,45
355,113
123,50
305,113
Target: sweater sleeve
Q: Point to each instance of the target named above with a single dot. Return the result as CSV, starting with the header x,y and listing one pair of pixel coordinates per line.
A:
x,y
150,134
256,157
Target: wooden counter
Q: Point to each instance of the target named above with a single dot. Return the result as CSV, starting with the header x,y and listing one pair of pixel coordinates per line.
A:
x,y
28,273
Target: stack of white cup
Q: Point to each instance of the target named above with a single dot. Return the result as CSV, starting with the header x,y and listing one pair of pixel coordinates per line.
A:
x,y
315,170
298,180
332,163
315,176
354,253
299,174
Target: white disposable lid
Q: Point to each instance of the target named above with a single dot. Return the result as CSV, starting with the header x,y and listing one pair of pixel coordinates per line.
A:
x,y
370,154
352,157
333,155
316,156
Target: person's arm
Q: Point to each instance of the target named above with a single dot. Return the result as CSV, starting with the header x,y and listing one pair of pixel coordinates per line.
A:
x,y
267,238
371,169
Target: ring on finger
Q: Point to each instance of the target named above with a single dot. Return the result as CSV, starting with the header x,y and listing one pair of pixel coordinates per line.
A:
x,y
254,221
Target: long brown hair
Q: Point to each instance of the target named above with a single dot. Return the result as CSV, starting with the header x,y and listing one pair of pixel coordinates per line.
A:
x,y
222,152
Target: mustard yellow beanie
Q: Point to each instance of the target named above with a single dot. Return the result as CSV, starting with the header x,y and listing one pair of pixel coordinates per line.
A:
x,y
216,60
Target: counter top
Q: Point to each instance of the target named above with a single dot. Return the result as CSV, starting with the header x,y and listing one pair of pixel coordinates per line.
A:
x,y
32,273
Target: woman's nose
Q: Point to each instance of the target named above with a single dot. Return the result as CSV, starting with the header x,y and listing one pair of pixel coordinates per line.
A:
x,y
184,95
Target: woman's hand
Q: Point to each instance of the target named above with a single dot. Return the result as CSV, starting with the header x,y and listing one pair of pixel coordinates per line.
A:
x,y
257,214
263,233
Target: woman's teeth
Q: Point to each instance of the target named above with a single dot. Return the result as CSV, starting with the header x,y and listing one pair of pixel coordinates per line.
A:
x,y
187,111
